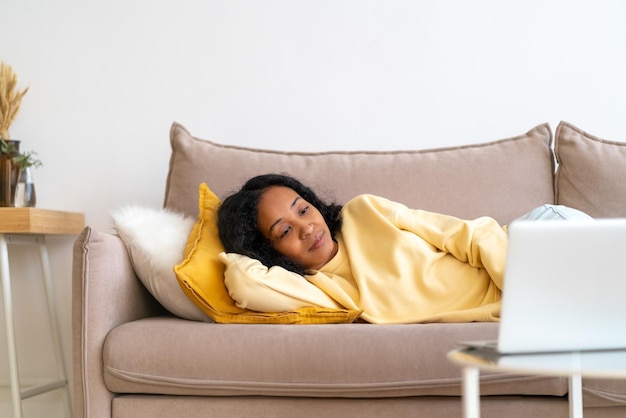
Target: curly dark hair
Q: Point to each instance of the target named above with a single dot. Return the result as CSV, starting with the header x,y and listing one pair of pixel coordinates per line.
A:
x,y
237,219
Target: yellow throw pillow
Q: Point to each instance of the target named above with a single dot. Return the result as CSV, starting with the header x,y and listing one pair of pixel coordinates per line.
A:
x,y
201,276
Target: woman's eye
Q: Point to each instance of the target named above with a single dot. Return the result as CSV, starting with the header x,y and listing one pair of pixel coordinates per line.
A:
x,y
304,210
285,231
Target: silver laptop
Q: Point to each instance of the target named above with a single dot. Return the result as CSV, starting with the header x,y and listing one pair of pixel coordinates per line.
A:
x,y
564,287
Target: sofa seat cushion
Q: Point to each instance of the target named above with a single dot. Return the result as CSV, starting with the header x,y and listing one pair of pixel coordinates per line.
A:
x,y
166,355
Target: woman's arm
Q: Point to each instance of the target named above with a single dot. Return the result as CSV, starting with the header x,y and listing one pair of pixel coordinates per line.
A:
x,y
481,242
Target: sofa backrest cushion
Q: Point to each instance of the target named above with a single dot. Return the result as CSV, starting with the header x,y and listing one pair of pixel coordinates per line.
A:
x,y
591,173
502,179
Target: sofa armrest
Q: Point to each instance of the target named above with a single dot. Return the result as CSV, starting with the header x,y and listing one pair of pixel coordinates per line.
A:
x,y
105,293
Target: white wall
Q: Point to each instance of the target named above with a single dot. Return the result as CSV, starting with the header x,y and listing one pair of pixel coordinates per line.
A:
x,y
107,78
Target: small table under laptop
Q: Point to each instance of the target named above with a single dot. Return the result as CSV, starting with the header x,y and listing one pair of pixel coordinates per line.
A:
x,y
574,364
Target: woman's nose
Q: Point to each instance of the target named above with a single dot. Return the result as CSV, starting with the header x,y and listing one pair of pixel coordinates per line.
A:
x,y
306,229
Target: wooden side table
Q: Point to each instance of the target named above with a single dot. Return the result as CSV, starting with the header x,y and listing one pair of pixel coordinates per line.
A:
x,y
29,226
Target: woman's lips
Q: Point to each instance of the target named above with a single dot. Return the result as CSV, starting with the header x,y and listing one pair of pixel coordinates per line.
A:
x,y
319,241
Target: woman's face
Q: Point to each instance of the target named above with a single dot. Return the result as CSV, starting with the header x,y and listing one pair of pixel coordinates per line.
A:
x,y
295,227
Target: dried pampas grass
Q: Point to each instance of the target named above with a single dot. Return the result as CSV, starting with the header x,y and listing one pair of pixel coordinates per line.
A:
x,y
10,99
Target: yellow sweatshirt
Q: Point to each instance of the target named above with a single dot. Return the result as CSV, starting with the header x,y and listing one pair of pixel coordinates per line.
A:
x,y
400,265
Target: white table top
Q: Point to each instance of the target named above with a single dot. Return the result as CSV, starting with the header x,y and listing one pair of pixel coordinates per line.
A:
x,y
596,364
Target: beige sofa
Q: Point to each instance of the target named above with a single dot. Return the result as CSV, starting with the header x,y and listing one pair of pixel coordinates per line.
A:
x,y
132,358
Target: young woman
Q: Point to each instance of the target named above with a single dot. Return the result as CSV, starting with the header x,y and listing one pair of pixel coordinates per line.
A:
x,y
397,265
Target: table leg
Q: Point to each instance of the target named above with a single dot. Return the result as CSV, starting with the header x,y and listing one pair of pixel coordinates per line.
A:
x,y
471,392
10,328
54,319
575,396
61,381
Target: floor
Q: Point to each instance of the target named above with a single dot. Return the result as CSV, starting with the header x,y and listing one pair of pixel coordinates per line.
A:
x,y
49,405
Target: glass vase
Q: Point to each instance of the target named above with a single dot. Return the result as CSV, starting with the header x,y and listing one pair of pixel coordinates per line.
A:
x,y
25,196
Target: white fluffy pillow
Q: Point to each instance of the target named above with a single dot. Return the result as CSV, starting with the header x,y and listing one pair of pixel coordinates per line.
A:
x,y
156,239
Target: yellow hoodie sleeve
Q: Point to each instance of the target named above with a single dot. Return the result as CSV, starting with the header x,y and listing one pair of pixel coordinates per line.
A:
x,y
481,242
